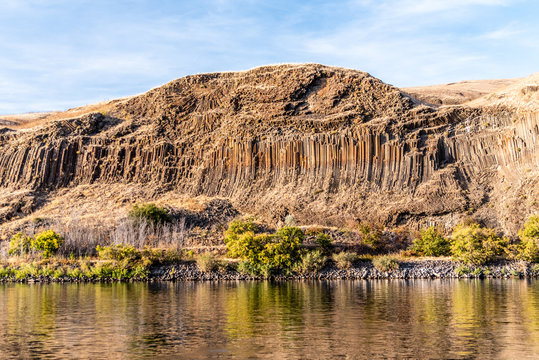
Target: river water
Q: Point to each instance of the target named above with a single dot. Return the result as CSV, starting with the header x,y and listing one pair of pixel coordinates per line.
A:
x,y
310,320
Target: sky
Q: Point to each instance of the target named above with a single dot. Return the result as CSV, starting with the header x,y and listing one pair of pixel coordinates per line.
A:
x,y
57,54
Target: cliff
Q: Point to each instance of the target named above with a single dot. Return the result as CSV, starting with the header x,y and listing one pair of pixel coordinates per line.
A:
x,y
325,144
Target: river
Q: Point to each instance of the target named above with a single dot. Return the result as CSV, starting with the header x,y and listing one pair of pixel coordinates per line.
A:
x,y
293,319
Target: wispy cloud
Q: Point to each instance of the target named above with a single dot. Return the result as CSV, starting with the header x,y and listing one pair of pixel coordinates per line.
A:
x,y
67,53
504,33
422,7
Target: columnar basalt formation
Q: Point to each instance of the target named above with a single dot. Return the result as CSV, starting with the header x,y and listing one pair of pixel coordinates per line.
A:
x,y
325,144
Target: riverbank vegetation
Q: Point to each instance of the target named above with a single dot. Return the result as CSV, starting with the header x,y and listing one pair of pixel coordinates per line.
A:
x,y
255,249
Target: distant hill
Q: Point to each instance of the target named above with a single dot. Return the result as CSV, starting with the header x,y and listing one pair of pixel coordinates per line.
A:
x,y
458,92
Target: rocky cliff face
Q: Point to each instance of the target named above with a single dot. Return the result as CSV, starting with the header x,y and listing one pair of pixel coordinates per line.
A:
x,y
324,144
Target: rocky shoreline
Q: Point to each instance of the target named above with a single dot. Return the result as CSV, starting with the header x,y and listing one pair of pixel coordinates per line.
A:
x,y
418,269
413,269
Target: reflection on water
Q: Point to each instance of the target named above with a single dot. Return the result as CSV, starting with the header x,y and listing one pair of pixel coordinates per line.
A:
x,y
355,319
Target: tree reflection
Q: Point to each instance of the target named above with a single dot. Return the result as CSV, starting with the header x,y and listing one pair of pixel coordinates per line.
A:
x,y
304,319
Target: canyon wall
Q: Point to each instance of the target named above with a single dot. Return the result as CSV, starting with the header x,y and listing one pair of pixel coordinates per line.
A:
x,y
323,144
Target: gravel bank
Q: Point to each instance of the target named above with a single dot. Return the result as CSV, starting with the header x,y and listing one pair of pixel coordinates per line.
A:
x,y
410,269
418,269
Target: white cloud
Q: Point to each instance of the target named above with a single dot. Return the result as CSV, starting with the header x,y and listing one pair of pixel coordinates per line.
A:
x,y
422,7
504,33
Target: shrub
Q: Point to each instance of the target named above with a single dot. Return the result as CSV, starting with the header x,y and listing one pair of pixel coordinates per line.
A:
x,y
265,252
5,272
118,252
528,248
462,270
431,242
344,260
245,267
247,246
121,270
48,242
530,229
311,262
515,273
385,263
59,273
477,272
290,220
75,273
139,272
20,244
325,242
169,256
284,248
150,213
223,266
476,245
207,262
372,235
238,227
240,239
26,270
102,270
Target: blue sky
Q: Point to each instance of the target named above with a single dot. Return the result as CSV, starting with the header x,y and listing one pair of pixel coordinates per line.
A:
x,y
57,54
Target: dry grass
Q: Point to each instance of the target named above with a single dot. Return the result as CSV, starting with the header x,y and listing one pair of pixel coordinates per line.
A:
x,y
30,120
458,92
522,95
81,240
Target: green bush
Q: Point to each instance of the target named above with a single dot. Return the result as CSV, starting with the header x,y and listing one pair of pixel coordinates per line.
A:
x,y
59,273
477,272
528,248
150,213
48,242
431,242
5,272
284,248
207,262
121,270
238,227
344,260
462,270
530,229
102,270
74,273
247,246
139,272
311,262
373,235
26,270
266,253
245,267
20,244
118,252
476,245
325,242
258,269
385,263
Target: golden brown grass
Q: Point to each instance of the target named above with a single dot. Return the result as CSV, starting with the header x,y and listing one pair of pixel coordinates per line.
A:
x,y
30,120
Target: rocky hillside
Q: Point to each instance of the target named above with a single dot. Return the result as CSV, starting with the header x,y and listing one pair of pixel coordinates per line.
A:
x,y
327,145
